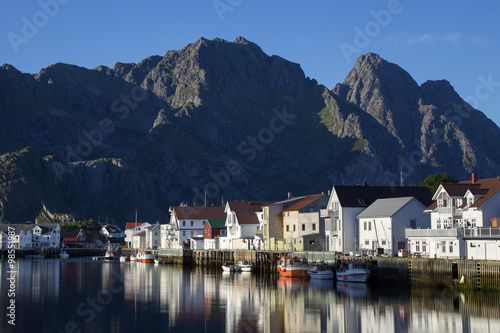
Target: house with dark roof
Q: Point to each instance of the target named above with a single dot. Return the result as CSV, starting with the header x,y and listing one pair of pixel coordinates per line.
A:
x,y
303,219
72,238
46,235
112,231
347,202
188,221
463,216
243,221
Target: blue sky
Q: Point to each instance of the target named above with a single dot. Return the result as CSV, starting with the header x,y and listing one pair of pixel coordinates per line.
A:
x,y
458,41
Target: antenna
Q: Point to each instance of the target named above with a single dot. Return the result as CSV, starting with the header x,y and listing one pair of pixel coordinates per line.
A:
x,y
402,181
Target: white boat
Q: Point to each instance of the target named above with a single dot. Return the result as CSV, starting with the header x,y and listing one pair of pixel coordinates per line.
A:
x,y
320,271
245,266
123,259
353,272
228,267
133,258
63,255
145,257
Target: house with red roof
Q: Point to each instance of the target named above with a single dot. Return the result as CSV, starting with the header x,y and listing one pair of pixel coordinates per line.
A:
x,y
462,215
243,223
132,229
187,222
302,224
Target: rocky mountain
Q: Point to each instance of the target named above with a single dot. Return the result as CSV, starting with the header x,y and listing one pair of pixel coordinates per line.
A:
x,y
225,119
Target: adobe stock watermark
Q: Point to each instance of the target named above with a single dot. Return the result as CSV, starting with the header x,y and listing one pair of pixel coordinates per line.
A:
x,y
88,309
248,148
31,26
223,6
364,36
122,108
12,278
483,91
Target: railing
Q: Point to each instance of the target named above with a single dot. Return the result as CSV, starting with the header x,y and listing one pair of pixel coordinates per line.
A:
x,y
328,213
446,210
483,232
434,232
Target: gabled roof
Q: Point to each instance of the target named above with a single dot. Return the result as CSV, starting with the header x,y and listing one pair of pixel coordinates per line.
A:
x,y
364,196
217,223
485,187
142,233
112,229
71,233
198,213
386,207
132,225
245,210
304,202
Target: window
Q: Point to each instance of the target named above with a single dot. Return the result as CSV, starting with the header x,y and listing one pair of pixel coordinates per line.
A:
x,y
417,246
294,228
191,223
370,225
209,231
287,228
184,233
443,246
364,225
413,224
183,223
451,247
312,242
192,233
223,232
367,242
424,246
303,227
311,209
384,242
473,222
314,226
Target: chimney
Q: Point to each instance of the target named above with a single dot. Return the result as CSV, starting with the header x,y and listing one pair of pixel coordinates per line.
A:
x,y
474,177
289,195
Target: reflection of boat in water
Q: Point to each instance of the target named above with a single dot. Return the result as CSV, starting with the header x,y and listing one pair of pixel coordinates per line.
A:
x,y
293,267
158,261
353,290
320,271
353,272
63,255
244,266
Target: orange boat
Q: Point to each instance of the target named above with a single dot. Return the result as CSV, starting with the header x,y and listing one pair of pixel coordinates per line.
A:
x,y
293,267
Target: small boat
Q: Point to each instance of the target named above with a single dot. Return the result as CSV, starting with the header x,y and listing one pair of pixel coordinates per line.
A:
x,y
109,255
320,271
353,272
145,257
293,267
123,259
63,255
245,266
158,261
228,267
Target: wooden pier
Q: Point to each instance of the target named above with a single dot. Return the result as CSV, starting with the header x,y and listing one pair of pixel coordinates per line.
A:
x,y
54,252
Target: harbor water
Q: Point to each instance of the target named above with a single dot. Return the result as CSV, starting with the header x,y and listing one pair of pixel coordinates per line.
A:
x,y
80,295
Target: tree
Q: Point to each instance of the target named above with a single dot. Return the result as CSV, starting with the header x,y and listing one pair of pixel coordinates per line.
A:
x,y
432,182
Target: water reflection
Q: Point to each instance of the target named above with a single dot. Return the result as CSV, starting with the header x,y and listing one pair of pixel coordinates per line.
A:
x,y
52,295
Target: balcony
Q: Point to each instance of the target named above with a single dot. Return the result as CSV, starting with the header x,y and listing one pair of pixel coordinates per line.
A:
x,y
434,232
328,213
446,210
484,232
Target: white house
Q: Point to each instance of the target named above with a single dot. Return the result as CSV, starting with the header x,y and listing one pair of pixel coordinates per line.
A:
x,y
21,235
186,222
483,243
382,225
132,229
153,237
347,202
242,223
46,235
459,210
112,231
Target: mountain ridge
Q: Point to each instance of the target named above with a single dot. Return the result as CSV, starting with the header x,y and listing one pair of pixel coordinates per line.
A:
x,y
225,118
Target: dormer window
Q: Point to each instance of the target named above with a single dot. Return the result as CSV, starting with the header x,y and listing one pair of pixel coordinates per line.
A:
x,y
440,202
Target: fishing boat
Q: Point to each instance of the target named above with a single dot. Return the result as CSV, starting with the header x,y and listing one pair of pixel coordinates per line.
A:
x,y
228,267
293,267
109,255
320,271
353,272
63,255
145,257
245,266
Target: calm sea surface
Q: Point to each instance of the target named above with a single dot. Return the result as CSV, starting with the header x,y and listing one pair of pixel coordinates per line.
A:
x,y
91,296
